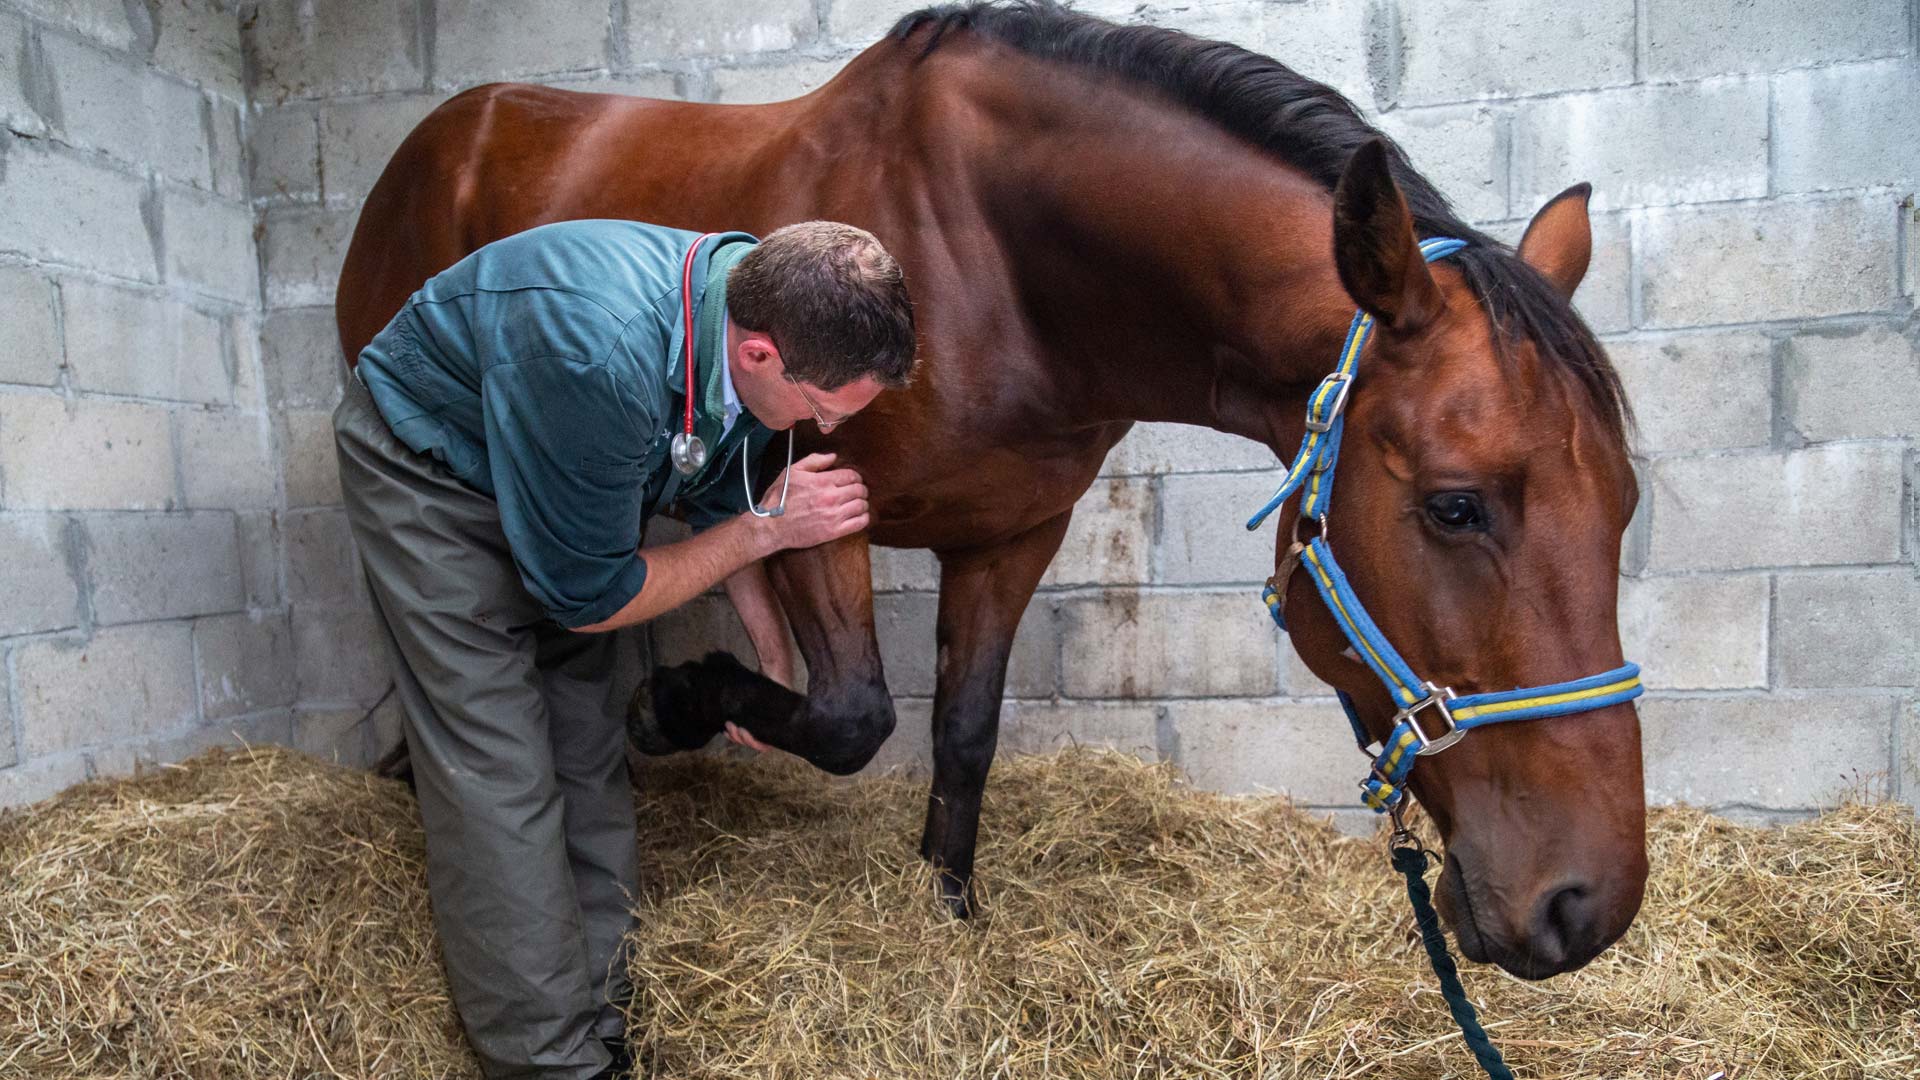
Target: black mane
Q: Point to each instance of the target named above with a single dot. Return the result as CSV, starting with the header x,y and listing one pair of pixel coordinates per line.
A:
x,y
1304,123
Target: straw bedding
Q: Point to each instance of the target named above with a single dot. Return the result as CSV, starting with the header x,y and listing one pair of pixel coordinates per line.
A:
x,y
262,914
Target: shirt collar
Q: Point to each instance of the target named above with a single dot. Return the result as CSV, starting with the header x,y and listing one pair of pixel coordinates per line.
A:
x,y
729,400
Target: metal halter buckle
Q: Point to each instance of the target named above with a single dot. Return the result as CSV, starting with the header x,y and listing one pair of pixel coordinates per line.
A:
x,y
1436,699
1338,406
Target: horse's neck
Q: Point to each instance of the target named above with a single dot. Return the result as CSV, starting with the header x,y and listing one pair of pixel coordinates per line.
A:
x,y
1186,276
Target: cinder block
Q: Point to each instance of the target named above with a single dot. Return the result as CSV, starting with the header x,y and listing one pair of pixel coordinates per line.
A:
x,y
36,577
1766,751
40,779
1110,537
109,22
861,22
1820,506
698,627
1848,628
1240,747
61,206
285,153
226,461
905,624
163,566
29,340
1322,39
348,736
1605,295
904,570
1044,727
1906,770
209,246
338,656
1296,678
301,253
322,567
1771,262
1128,643
1151,449
476,40
1203,535
125,682
909,750
143,344
1818,147
245,663
357,139
16,112
1690,38
1454,50
776,82
300,350
1852,384
309,457
259,539
199,40
228,150
1645,145
1705,632
88,456
273,728
674,29
322,48
114,104
243,360
647,84
1463,150
1698,391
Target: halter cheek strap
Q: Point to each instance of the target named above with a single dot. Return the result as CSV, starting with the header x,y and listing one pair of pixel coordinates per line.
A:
x,y
1430,718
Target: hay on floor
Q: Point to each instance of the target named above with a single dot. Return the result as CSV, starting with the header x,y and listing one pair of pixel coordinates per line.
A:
x,y
263,914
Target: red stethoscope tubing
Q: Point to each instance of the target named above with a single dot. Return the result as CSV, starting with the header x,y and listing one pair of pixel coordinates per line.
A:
x,y
686,307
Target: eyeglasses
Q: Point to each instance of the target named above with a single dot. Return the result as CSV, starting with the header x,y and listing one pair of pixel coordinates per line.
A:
x,y
826,425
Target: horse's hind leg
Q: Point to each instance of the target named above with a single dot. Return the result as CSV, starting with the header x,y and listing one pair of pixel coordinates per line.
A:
x,y
827,594
983,593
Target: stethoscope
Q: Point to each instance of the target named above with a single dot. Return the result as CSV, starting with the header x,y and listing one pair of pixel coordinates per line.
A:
x,y
689,451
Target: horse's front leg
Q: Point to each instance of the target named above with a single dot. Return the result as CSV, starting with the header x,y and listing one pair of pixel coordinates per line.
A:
x,y
983,593
827,594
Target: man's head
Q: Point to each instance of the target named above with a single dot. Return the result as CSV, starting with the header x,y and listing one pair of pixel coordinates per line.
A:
x,y
824,324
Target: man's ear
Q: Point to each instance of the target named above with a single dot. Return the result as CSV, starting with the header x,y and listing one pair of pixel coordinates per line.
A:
x,y
1374,246
1559,239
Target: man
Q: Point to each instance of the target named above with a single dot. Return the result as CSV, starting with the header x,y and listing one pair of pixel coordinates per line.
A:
x,y
502,445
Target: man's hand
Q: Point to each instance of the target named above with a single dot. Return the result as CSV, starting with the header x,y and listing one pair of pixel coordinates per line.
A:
x,y
823,503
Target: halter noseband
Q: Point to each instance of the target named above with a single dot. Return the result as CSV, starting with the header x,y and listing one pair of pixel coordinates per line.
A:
x,y
1452,716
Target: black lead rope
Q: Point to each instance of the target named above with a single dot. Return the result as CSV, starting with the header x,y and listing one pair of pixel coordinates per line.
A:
x,y
1411,860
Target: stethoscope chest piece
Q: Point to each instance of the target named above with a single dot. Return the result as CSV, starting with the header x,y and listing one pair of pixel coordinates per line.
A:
x,y
688,451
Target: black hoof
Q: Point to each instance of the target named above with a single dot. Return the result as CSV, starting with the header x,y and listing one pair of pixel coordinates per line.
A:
x,y
658,714
957,895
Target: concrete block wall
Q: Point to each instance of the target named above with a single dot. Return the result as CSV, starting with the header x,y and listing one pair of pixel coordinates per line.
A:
x,y
1757,253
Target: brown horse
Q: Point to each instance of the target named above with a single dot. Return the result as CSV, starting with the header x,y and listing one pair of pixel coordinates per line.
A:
x,y
1104,225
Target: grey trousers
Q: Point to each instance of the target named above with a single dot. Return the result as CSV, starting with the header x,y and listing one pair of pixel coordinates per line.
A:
x,y
519,758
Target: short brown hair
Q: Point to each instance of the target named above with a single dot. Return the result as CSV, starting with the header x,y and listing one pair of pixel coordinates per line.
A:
x,y
833,301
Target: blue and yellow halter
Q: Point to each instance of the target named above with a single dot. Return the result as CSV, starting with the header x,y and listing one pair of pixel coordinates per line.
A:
x,y
1451,716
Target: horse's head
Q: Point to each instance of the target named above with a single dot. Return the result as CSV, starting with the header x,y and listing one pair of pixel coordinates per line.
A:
x,y
1482,492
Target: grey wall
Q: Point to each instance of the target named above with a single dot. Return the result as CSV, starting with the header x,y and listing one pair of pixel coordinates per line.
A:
x,y
1754,164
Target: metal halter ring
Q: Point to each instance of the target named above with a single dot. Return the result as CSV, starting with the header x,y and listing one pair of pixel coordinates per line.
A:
x,y
1436,699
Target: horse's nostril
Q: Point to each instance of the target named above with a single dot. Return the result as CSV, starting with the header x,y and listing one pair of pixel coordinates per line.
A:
x,y
1567,927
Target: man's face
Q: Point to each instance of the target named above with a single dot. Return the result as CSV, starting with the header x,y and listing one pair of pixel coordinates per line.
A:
x,y
780,401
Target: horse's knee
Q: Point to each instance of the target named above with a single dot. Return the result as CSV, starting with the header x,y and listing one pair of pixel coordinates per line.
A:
x,y
849,728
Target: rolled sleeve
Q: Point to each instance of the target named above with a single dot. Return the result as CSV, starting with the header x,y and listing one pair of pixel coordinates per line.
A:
x,y
565,443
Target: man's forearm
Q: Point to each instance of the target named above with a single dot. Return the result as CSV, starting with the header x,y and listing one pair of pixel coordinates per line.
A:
x,y
766,624
676,573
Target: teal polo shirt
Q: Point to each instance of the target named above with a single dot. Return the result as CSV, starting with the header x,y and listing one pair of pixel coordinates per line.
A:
x,y
546,370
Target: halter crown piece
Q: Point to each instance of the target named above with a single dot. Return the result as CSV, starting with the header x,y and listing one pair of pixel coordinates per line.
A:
x,y
1448,717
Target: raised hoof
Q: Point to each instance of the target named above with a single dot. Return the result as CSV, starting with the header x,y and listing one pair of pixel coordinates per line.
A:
x,y
668,692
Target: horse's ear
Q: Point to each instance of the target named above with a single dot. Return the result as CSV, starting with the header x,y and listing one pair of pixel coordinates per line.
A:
x,y
1559,240
1374,246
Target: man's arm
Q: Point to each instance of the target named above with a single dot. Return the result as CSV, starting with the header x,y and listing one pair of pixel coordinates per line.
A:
x,y
753,599
823,503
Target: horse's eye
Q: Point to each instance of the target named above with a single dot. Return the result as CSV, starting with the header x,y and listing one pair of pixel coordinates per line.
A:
x,y
1457,511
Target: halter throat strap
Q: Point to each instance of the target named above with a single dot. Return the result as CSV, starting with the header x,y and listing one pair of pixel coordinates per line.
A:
x,y
1430,718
